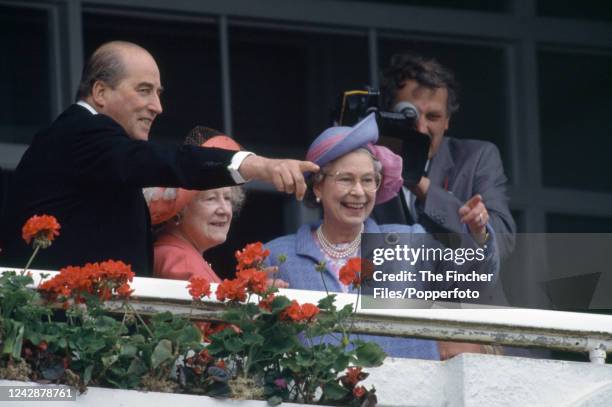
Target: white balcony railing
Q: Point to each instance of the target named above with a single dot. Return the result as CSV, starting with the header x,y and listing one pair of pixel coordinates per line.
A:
x,y
558,330
463,381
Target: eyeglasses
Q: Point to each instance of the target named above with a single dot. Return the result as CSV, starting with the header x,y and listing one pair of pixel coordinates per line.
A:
x,y
347,181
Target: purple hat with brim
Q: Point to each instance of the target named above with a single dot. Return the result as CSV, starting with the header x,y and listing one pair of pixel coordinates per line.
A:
x,y
335,142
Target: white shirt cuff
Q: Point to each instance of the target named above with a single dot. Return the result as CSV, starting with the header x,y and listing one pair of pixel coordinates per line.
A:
x,y
237,160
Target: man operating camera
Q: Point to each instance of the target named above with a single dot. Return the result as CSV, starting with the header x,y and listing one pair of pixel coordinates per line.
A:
x,y
464,182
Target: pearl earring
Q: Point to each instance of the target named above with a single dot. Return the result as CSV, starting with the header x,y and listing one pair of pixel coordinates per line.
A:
x,y
318,200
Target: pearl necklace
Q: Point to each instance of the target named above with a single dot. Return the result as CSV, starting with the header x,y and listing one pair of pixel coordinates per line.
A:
x,y
331,249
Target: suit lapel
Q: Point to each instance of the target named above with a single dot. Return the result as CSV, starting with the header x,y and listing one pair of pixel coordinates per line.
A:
x,y
440,173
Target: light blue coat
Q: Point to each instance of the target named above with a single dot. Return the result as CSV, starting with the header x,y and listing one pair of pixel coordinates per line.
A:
x,y
298,270
303,254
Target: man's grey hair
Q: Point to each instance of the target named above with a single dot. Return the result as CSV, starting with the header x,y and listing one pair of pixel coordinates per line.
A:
x,y
105,64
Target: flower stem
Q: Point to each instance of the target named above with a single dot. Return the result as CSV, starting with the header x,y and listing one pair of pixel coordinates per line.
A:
x,y
36,249
323,279
355,310
139,318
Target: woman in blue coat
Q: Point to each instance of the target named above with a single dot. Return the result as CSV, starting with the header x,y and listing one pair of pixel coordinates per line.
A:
x,y
355,175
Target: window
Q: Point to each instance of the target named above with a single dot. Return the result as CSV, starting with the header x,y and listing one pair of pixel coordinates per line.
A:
x,y
24,74
286,83
480,5
564,223
584,9
575,106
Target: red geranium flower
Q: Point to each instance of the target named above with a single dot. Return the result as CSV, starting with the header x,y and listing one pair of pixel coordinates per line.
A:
x,y
359,392
353,375
114,270
199,287
255,280
233,290
205,329
42,229
266,303
309,311
349,273
252,256
299,313
100,279
292,312
124,290
209,328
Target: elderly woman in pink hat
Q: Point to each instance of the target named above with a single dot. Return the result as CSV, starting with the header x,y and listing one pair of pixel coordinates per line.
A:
x,y
192,222
355,175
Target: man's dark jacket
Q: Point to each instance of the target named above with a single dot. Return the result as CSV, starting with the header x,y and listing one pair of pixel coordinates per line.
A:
x,y
87,172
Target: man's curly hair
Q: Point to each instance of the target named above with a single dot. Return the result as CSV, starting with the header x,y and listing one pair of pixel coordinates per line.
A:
x,y
426,72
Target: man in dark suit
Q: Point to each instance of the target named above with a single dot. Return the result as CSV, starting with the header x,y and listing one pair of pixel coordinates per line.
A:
x,y
89,166
465,184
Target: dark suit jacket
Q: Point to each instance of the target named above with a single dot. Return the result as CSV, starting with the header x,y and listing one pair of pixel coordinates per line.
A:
x,y
87,172
459,170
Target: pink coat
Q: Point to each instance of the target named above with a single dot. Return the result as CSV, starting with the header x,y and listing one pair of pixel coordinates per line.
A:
x,y
177,259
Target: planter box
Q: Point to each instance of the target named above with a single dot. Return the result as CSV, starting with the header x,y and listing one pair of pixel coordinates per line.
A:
x,y
467,380
103,397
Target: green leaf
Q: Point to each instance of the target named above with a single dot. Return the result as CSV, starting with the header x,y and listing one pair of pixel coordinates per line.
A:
x,y
304,360
291,364
137,368
279,304
251,338
188,335
345,312
18,343
87,374
62,343
162,317
109,360
13,338
333,391
233,316
280,344
161,353
106,324
327,303
137,338
251,309
216,347
234,344
369,354
128,350
341,362
35,337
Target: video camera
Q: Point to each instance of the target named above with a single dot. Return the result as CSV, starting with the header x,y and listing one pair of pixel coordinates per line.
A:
x,y
399,126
